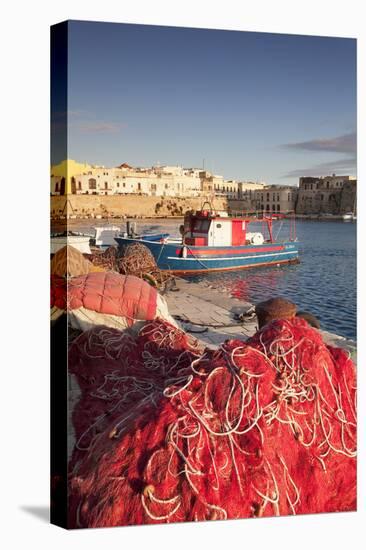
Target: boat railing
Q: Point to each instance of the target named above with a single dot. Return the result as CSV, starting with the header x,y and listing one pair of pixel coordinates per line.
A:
x,y
261,214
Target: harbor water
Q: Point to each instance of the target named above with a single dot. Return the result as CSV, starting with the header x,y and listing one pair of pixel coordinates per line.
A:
x,y
323,283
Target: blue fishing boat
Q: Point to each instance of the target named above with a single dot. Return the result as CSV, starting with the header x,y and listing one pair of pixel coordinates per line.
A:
x,y
211,241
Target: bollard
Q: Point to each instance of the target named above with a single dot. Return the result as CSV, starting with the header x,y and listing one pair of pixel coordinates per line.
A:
x,y
275,308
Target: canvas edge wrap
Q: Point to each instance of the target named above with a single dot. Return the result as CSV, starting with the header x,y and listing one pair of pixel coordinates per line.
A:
x,y
58,329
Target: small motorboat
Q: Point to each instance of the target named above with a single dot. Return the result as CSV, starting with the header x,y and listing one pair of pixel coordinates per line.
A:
x,y
213,242
105,235
349,217
156,237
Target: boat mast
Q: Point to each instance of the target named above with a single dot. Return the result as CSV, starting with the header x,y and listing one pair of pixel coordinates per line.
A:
x,y
269,225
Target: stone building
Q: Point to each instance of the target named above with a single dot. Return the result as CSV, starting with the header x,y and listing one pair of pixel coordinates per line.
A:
x,y
170,181
63,176
245,189
327,195
272,198
211,184
226,188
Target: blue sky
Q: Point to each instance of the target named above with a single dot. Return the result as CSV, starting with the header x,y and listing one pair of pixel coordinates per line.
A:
x,y
254,106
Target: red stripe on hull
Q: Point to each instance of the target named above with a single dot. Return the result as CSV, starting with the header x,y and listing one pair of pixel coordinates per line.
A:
x,y
201,253
235,268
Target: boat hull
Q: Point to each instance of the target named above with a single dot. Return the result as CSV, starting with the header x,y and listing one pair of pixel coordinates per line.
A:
x,y
195,259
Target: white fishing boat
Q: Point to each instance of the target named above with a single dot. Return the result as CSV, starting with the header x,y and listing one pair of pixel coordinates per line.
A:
x,y
80,241
104,235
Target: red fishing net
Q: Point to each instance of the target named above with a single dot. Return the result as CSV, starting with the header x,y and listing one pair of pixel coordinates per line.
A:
x,y
261,428
106,292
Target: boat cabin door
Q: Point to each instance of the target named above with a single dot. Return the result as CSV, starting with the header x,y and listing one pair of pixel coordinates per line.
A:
x,y
220,232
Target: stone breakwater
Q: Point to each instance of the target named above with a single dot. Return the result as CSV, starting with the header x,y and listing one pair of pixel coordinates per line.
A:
x,y
109,206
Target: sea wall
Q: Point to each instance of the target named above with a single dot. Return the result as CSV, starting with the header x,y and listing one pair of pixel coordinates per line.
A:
x,y
81,206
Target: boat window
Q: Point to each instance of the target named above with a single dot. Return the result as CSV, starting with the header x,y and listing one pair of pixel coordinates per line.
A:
x,y
218,225
201,226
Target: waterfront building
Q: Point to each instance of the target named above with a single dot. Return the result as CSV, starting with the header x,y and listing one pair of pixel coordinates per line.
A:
x,y
239,190
170,181
64,175
246,186
267,198
327,195
315,195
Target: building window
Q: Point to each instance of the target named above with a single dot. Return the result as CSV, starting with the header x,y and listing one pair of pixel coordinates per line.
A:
x,y
267,196
92,183
278,207
267,207
124,184
56,188
117,183
321,197
62,186
139,186
289,197
79,185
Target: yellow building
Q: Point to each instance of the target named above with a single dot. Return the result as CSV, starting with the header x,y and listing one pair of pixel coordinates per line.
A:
x,y
63,176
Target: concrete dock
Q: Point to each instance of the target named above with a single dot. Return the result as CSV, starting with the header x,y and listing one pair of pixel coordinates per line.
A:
x,y
212,316
208,314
